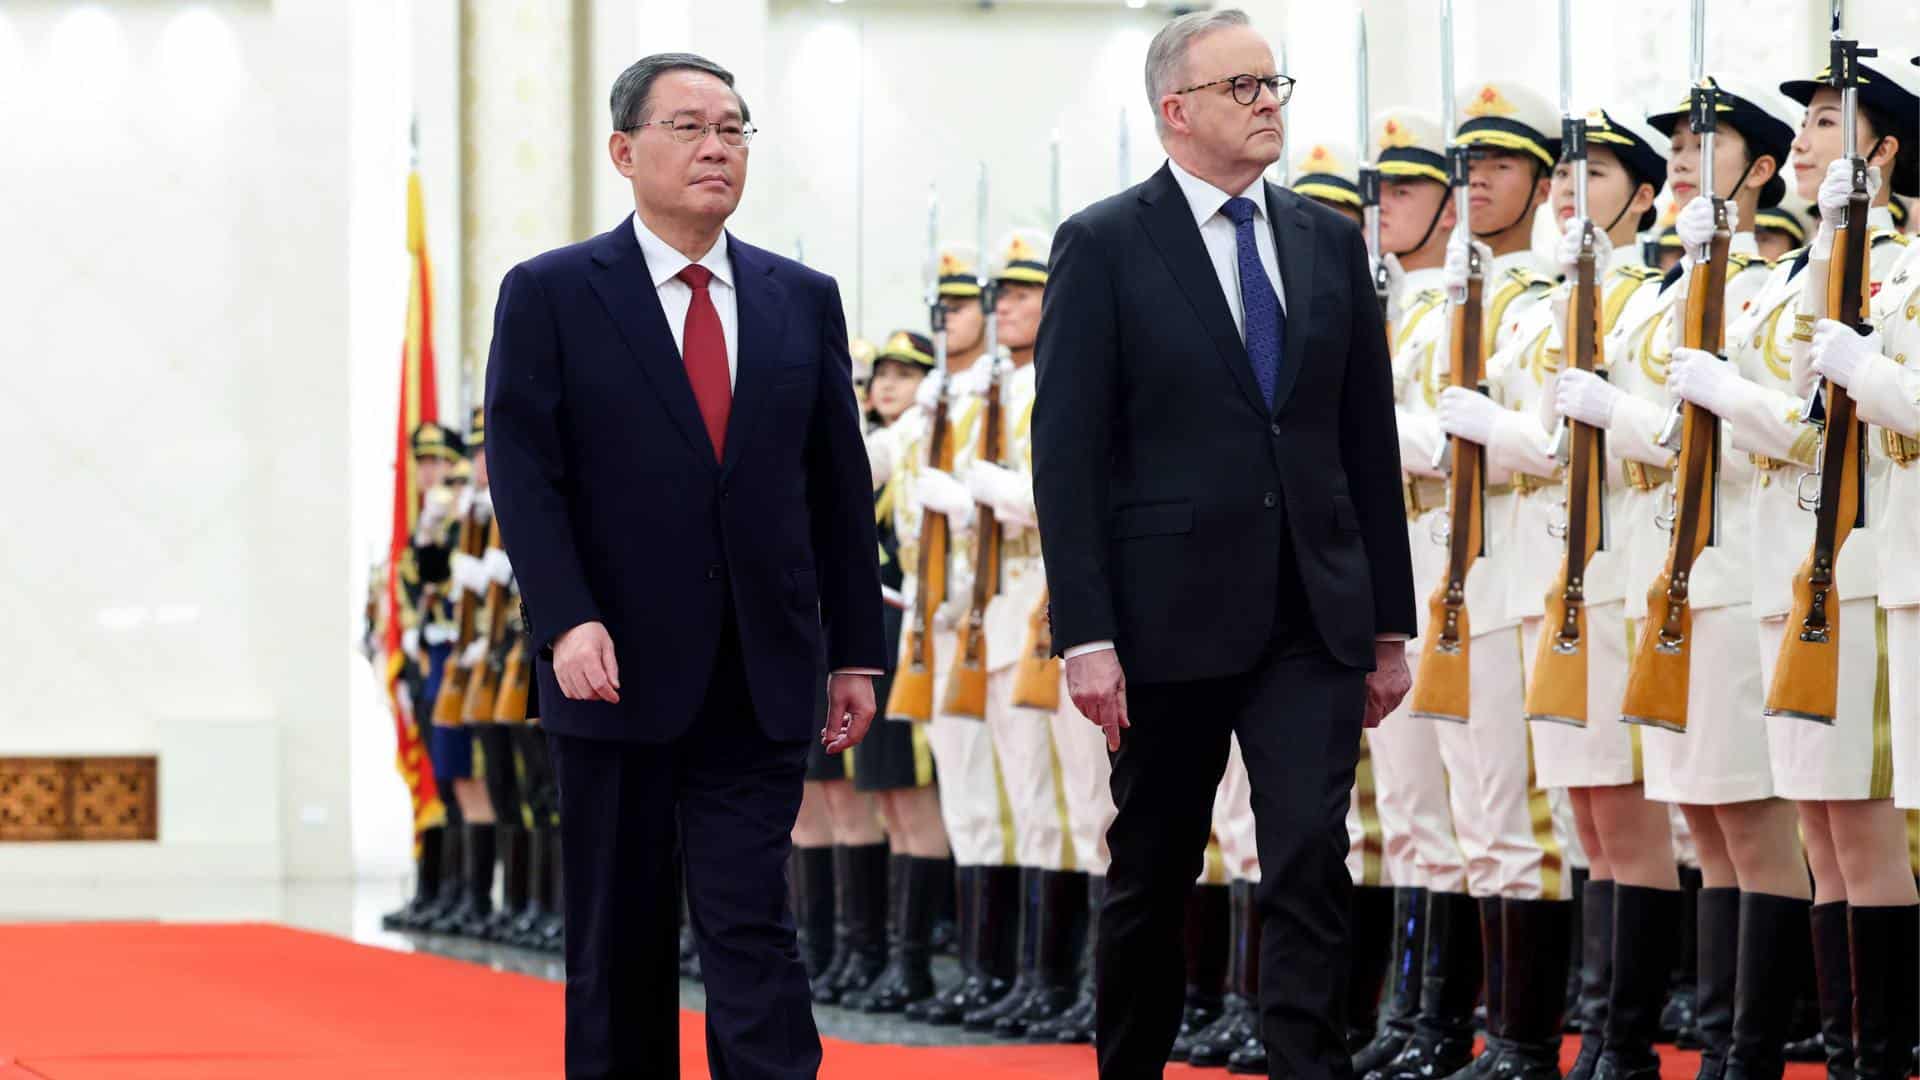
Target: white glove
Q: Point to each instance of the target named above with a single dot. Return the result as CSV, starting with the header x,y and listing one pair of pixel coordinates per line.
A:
x,y
1455,272
1468,414
434,511
1585,397
1704,379
483,506
468,574
1695,225
410,641
927,397
498,568
1838,352
1567,251
1008,492
939,492
1835,192
476,652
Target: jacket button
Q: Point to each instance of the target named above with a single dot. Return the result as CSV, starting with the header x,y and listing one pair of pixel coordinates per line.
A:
x,y
1276,430
1270,501
713,572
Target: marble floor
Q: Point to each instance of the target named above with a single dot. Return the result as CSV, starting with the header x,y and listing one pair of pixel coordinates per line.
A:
x,y
353,909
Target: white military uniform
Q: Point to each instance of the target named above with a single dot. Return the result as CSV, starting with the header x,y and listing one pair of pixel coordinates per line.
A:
x,y
1853,757
1887,388
1022,737
1716,760
1602,753
970,788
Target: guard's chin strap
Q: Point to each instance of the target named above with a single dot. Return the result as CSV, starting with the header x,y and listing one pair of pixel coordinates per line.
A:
x,y
1524,214
1431,225
1628,205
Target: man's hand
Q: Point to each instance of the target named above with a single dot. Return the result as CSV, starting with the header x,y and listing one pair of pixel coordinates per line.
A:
x,y
584,665
849,711
1389,681
1099,690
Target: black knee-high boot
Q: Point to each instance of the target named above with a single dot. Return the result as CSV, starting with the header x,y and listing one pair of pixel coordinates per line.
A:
x,y
1061,931
1403,982
1239,1019
1775,960
813,907
1716,992
1576,950
944,1006
1026,951
426,879
860,941
1596,976
1493,954
1646,931
1442,1039
1833,987
1076,1024
1677,1022
450,871
1886,1001
1533,981
1209,942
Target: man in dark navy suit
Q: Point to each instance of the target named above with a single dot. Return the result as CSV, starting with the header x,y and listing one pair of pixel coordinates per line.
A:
x,y
682,484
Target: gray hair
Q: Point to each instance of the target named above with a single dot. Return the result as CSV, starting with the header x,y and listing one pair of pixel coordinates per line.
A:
x,y
1167,55
628,102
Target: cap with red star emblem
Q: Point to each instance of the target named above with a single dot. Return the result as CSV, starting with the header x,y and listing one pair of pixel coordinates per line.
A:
x,y
1328,172
1412,146
1508,116
1022,258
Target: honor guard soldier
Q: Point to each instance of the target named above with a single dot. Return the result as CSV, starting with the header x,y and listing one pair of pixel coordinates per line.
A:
x,y
1508,836
1831,756
894,764
933,519
1783,228
1418,851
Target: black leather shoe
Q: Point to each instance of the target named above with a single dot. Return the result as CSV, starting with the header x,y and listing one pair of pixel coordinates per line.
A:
x,y
1250,1059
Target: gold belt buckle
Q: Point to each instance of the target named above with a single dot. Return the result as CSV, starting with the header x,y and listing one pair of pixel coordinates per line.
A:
x,y
1901,450
1764,463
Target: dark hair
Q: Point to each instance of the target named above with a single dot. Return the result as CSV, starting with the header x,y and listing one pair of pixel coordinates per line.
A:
x,y
1635,178
1904,176
628,103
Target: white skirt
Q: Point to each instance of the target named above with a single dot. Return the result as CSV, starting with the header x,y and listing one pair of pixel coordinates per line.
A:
x,y
1903,699
1720,758
1851,758
1605,752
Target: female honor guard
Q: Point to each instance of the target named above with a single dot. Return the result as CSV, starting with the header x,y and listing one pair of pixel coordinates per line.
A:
x,y
1840,770
1578,744
1881,372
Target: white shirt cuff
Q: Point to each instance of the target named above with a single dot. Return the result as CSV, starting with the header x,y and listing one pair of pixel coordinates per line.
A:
x,y
1089,647
1390,637
870,672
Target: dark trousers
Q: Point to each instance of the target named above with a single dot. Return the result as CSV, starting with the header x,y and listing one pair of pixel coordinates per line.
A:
x,y
718,804
1298,717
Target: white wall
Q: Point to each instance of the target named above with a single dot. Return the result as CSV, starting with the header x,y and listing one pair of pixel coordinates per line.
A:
x,y
173,413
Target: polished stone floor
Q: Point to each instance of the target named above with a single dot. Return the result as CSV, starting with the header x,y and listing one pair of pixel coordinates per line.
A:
x,y
353,910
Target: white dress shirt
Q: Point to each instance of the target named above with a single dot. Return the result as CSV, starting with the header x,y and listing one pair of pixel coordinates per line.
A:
x,y
676,296
1223,249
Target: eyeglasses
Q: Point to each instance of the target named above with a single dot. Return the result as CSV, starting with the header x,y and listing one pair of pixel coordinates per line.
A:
x,y
687,128
1246,88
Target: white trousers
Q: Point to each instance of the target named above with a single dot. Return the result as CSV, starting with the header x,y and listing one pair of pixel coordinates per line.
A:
x,y
970,791
1086,775
1029,771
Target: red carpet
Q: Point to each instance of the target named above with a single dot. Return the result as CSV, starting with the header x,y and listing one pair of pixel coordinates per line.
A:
x,y
165,1002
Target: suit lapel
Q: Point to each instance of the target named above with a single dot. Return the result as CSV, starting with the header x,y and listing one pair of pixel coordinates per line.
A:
x,y
761,304
1169,221
625,287
1293,242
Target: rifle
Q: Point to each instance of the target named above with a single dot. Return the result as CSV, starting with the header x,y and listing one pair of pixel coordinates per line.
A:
x,y
1370,186
483,683
967,680
1806,679
1036,675
912,695
1442,690
1558,688
448,710
1659,675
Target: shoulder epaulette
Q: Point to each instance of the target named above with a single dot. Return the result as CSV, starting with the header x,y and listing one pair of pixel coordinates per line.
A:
x,y
1638,271
1881,236
1788,258
1530,278
1742,262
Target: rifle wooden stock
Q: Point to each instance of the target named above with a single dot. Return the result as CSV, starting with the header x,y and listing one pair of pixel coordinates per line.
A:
x,y
483,681
912,695
1659,675
1036,676
967,679
449,707
1558,689
516,679
1806,678
1443,689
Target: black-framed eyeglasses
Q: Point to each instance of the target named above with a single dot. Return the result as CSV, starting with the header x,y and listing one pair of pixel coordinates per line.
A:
x,y
687,128
1246,88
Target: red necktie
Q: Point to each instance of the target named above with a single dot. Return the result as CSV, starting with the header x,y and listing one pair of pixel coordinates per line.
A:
x,y
703,346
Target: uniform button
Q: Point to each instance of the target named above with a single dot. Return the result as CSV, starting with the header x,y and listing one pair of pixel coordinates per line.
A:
x,y
1270,500
1276,430
713,572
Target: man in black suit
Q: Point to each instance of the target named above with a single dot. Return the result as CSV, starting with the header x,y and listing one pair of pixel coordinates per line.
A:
x,y
682,484
1219,497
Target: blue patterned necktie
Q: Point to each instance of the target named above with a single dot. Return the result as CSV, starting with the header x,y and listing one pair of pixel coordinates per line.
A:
x,y
1266,323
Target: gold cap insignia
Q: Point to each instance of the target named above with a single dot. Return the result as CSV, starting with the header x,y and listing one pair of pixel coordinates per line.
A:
x,y
1018,250
952,265
1490,102
1395,135
900,342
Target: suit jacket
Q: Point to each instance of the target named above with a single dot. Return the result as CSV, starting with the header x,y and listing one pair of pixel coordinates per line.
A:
x,y
614,508
1168,491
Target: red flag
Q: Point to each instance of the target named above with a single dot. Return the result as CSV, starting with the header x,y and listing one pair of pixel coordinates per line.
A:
x,y
418,404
